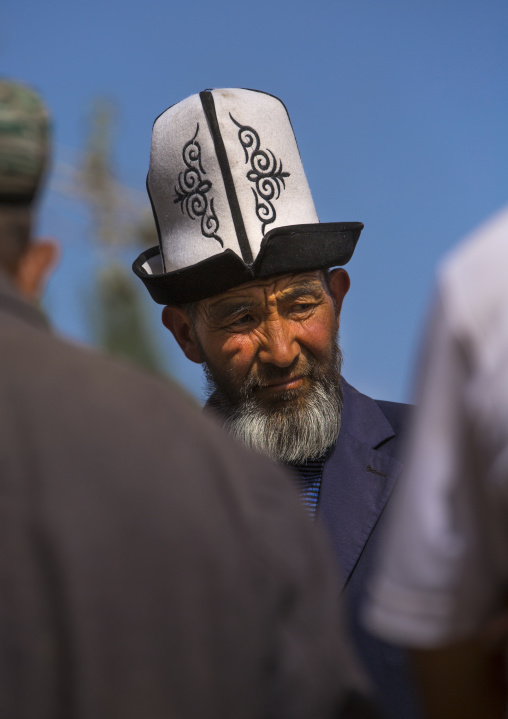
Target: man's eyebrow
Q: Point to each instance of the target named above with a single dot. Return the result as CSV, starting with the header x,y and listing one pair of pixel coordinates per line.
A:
x,y
229,308
311,287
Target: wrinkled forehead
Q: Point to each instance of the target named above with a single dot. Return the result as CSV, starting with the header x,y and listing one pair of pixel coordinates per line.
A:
x,y
272,286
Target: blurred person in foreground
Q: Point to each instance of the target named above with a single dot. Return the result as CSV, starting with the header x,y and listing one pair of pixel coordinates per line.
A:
x,y
149,567
243,268
443,580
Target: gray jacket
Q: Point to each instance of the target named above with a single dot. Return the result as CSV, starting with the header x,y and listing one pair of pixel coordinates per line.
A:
x,y
150,568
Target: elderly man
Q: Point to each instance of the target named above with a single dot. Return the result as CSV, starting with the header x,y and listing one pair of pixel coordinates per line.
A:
x,y
243,269
150,566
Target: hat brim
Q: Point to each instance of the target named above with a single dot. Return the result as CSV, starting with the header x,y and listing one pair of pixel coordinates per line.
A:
x,y
284,250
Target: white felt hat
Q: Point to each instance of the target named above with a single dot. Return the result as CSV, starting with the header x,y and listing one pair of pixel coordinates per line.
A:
x,y
230,199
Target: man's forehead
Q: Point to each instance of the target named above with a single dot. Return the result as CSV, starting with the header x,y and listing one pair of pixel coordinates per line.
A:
x,y
270,285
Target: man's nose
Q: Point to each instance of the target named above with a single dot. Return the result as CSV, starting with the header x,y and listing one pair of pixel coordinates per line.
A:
x,y
279,346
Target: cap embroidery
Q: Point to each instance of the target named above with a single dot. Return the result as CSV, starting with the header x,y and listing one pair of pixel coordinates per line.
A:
x,y
192,190
266,173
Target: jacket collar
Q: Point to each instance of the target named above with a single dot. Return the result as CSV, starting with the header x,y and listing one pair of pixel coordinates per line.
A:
x,y
358,478
14,304
362,418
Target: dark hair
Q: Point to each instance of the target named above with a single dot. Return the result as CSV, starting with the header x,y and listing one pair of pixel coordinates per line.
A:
x,y
326,275
15,234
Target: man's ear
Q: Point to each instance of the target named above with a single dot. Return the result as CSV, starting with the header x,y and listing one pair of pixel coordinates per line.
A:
x,y
177,321
35,266
339,286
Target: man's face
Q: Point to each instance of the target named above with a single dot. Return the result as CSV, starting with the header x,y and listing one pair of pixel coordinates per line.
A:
x,y
270,353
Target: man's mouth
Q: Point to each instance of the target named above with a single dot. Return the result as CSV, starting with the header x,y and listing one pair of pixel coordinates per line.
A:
x,y
283,384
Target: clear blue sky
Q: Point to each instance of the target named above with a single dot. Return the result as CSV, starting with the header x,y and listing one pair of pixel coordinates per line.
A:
x,y
400,109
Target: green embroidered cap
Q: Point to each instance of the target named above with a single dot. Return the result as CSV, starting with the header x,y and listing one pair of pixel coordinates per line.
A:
x,y
24,142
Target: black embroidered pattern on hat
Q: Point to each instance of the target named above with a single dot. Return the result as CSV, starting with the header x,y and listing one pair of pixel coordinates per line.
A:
x,y
266,173
192,190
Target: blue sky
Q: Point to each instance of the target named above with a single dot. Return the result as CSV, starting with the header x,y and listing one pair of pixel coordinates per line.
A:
x,y
400,109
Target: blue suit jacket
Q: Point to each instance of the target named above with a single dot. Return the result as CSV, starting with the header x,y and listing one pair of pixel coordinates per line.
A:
x,y
358,479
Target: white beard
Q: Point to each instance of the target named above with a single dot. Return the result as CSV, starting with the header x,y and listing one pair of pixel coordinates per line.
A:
x,y
288,433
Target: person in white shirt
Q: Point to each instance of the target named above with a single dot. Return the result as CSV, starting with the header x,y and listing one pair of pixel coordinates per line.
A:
x,y
444,566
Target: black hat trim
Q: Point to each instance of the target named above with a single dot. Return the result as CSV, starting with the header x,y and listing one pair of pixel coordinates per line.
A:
x,y
294,248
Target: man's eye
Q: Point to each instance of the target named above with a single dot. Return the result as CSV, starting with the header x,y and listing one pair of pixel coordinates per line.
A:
x,y
242,321
303,307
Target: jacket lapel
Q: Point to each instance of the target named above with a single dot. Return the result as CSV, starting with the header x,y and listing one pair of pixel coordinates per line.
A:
x,y
358,478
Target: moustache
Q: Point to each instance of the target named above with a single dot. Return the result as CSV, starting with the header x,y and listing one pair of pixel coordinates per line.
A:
x,y
261,377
